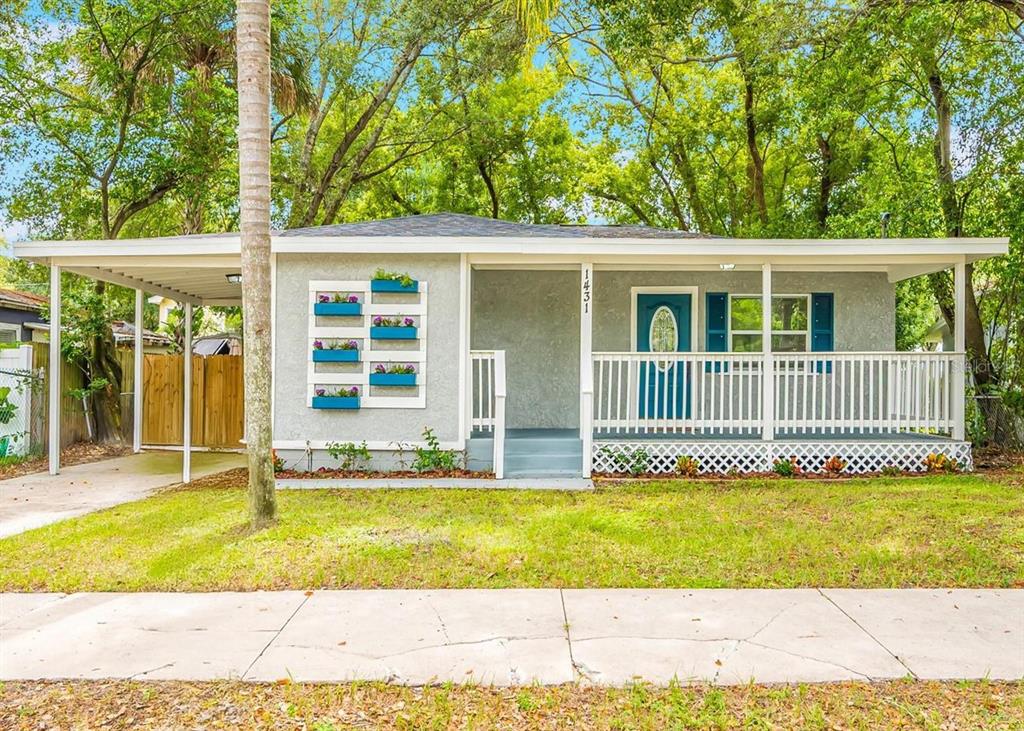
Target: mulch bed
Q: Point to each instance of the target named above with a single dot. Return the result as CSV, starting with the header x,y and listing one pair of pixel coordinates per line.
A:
x,y
75,454
325,473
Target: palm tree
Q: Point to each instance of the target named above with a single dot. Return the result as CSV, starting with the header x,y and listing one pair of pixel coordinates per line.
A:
x,y
253,40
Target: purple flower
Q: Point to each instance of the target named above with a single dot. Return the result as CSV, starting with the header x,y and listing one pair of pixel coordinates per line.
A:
x,y
353,298
354,391
378,320
380,368
409,322
318,345
320,392
323,298
410,367
350,345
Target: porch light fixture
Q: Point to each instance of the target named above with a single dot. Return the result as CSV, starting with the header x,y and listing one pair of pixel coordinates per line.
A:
x,y
726,267
233,278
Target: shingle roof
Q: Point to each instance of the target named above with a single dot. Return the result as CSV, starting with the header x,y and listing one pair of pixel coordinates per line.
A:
x,y
21,300
460,224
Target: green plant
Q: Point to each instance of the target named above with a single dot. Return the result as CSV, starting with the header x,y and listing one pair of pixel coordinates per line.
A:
x,y
891,470
7,408
634,461
786,467
277,460
383,274
687,466
432,458
351,455
834,466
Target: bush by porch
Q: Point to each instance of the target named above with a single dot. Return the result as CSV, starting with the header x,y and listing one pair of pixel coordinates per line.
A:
x,y
956,530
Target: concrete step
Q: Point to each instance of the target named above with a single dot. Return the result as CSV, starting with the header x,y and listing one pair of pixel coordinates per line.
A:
x,y
542,473
515,462
543,446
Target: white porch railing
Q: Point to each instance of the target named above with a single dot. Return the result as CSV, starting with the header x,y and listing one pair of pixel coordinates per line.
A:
x,y
819,393
489,389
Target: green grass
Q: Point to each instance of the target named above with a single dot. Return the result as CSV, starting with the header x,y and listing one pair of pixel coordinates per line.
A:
x,y
934,531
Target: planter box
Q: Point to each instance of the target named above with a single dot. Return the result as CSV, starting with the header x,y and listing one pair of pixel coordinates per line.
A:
x,y
392,285
393,379
378,332
336,355
338,308
335,402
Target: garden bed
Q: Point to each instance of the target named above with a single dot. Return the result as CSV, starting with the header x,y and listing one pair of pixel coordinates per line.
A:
x,y
339,474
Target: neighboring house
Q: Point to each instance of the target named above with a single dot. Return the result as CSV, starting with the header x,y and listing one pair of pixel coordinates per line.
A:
x,y
18,310
124,336
549,350
218,344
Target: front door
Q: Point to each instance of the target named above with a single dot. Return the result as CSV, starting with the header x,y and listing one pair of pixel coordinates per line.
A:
x,y
663,326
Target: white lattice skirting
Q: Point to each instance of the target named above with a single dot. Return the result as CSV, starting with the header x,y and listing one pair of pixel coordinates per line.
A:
x,y
754,456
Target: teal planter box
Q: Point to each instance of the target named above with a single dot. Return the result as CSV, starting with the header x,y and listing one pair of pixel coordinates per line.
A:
x,y
393,285
336,356
392,379
335,402
338,308
380,332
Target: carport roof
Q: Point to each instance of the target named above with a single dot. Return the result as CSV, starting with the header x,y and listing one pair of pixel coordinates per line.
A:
x,y
194,268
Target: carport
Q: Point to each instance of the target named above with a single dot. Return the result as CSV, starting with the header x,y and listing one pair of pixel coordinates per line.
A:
x,y
194,271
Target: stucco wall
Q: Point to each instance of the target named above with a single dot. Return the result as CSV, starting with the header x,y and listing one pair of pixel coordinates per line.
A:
x,y
865,302
534,317
293,420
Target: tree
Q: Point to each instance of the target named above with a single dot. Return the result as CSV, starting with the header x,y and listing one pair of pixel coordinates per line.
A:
x,y
253,39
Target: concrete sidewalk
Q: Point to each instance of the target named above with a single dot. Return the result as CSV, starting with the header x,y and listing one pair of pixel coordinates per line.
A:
x,y
508,637
38,499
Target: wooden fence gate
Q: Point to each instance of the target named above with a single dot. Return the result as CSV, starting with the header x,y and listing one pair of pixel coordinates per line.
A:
x,y
217,400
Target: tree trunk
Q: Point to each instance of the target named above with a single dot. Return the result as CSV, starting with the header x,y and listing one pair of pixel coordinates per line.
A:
x,y
827,181
105,403
253,39
979,363
755,166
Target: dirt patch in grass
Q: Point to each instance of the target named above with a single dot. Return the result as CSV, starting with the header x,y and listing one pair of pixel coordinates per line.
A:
x,y
165,705
75,454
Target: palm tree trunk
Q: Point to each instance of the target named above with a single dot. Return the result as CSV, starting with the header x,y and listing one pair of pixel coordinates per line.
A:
x,y
253,34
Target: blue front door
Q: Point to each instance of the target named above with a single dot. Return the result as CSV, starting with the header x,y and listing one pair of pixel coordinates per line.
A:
x,y
663,326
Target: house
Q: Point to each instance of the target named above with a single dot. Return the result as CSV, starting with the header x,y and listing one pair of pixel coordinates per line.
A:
x,y
550,350
18,311
218,344
124,336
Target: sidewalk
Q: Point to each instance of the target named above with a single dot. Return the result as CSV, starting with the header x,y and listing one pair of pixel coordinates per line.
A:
x,y
38,499
508,637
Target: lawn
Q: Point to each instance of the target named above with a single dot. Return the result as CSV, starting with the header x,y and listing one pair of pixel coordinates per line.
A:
x,y
962,530
156,705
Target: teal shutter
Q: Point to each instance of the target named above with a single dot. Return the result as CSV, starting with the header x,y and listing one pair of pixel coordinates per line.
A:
x,y
716,325
822,326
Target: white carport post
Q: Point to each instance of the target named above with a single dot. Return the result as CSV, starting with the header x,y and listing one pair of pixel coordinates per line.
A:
x,y
959,346
186,436
54,369
768,369
137,371
587,364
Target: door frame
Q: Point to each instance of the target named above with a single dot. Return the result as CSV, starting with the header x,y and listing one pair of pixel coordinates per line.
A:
x,y
692,291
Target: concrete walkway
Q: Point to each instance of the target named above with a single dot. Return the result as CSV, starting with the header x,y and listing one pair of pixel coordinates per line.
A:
x,y
39,499
508,637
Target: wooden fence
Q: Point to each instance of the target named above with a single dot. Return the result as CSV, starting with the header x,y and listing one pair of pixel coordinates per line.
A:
x,y
217,400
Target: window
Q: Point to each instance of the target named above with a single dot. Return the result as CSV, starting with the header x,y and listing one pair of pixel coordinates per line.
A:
x,y
789,323
9,333
664,335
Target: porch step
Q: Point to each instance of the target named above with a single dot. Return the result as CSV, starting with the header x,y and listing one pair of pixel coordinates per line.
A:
x,y
533,453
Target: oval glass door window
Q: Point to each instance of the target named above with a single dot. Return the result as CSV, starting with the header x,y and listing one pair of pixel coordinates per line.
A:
x,y
664,335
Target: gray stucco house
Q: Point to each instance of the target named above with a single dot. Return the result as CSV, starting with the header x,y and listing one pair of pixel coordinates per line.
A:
x,y
551,350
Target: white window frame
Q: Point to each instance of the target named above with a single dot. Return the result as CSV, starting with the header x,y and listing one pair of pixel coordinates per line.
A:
x,y
11,327
775,295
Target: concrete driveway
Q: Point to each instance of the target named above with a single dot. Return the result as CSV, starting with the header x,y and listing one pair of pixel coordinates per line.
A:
x,y
518,636
39,499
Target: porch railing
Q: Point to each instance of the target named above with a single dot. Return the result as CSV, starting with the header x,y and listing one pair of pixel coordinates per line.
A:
x,y
813,393
487,376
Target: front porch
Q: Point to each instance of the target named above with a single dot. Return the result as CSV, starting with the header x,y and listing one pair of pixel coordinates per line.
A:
x,y
805,389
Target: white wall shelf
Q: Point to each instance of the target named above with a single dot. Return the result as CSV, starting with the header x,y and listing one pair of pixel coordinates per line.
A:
x,y
371,351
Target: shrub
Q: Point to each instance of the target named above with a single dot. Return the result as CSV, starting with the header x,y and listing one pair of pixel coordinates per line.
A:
x,y
786,467
351,455
432,458
939,462
834,466
277,461
634,461
891,470
687,466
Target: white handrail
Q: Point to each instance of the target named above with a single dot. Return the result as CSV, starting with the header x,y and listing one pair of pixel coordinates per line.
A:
x,y
499,414
488,391
811,393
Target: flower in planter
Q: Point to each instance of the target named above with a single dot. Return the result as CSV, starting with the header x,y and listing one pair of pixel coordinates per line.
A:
x,y
408,322
353,298
318,345
404,278
320,392
380,368
378,321
323,298
349,345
